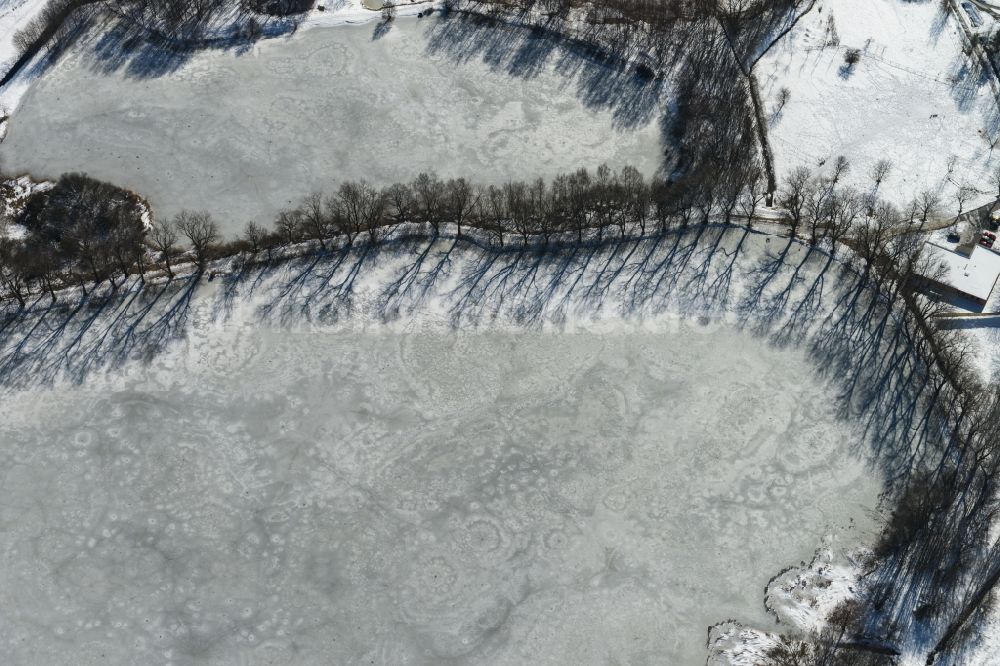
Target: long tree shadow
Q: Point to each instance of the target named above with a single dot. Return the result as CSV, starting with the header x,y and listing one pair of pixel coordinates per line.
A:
x,y
98,332
604,80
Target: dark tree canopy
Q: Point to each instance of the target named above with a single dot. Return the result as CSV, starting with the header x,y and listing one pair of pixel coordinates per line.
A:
x,y
50,215
83,223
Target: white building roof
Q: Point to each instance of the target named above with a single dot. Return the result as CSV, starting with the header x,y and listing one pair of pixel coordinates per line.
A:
x,y
974,275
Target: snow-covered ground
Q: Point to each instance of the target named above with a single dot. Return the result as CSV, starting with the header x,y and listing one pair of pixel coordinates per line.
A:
x,y
14,14
423,453
913,98
800,598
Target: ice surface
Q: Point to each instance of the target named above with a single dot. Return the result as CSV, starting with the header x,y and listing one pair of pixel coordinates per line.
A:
x,y
245,135
271,495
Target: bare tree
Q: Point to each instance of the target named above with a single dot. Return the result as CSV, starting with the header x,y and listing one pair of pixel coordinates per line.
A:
x,y
201,231
430,197
871,240
846,208
793,197
832,36
962,196
784,94
753,194
254,235
601,198
288,226
996,183
359,207
42,262
86,240
12,269
400,202
313,219
518,207
126,242
374,215
162,238
496,206
880,170
578,193
929,204
459,199
634,196
852,57
840,168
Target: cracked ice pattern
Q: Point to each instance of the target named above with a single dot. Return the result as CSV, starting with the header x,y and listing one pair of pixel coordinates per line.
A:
x,y
264,496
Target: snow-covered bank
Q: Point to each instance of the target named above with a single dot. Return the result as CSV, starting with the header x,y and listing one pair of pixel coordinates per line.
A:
x,y
15,191
801,598
344,12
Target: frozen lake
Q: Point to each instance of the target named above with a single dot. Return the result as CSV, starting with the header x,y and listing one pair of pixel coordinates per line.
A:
x,y
335,496
245,135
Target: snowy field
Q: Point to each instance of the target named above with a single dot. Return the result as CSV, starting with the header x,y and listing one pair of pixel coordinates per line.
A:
x,y
425,453
913,98
14,14
244,135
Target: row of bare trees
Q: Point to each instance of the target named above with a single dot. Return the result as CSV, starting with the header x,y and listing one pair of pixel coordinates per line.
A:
x,y
581,203
817,205
83,230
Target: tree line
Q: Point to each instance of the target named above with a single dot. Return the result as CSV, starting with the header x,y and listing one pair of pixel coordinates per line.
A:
x,y
83,231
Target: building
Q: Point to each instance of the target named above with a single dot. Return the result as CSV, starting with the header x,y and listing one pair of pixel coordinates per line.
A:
x,y
962,270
